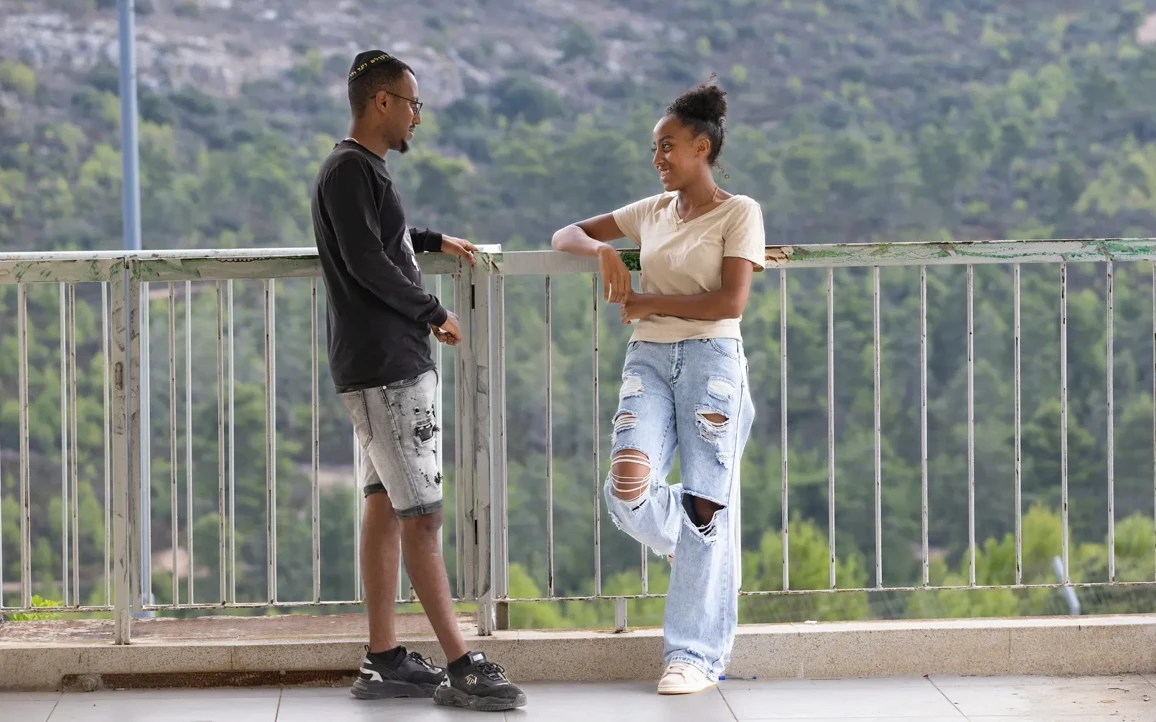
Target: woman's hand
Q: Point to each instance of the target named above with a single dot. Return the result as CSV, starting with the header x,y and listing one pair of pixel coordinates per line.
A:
x,y
723,303
636,305
615,276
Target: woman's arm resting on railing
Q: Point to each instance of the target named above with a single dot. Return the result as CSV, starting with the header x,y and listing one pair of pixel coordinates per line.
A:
x,y
589,238
726,302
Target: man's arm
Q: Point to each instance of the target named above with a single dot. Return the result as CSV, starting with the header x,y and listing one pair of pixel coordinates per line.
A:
x,y
425,240
348,199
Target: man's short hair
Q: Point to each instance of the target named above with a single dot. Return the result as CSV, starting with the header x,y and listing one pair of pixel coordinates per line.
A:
x,y
373,71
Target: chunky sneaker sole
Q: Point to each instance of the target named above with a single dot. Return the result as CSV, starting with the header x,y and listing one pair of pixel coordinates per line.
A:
x,y
448,696
476,683
684,688
391,689
396,674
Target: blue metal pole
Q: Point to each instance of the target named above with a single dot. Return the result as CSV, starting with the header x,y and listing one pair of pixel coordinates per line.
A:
x,y
128,126
130,211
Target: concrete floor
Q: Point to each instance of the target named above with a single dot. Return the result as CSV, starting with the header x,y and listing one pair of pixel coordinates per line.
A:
x,y
1130,698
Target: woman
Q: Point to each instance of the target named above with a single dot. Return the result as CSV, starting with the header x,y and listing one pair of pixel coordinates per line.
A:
x,y
684,381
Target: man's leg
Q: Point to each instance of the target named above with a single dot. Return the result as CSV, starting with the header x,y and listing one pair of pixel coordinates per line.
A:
x,y
420,538
473,681
404,454
380,558
387,670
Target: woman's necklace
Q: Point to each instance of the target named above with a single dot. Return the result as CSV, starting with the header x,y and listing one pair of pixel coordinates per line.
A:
x,y
684,218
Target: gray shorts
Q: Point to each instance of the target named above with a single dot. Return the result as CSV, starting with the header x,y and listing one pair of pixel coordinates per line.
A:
x,y
398,431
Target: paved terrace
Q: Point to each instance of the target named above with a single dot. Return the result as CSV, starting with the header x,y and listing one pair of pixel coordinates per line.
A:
x,y
1092,669
1129,698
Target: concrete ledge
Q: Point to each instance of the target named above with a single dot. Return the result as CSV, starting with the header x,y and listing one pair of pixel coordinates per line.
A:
x,y
1061,646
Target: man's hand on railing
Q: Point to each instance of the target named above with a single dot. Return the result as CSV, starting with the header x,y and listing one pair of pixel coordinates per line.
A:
x,y
448,333
459,247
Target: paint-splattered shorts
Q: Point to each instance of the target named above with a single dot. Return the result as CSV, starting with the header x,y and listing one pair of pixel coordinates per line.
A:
x,y
690,397
398,431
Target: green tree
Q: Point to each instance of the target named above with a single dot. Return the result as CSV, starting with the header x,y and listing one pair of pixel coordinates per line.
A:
x,y
578,42
18,77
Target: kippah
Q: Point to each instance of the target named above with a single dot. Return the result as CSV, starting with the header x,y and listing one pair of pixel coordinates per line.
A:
x,y
365,60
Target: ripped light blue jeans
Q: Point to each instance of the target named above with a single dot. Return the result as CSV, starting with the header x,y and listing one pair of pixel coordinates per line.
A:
x,y
691,395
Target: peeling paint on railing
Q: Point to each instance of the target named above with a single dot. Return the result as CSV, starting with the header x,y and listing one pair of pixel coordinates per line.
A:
x,y
57,270
961,252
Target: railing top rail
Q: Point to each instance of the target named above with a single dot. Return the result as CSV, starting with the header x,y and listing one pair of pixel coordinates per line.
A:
x,y
253,263
186,264
220,254
59,267
866,255
41,256
964,252
212,264
225,265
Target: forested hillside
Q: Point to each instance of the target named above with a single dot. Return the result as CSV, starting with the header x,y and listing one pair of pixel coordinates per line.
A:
x,y
893,120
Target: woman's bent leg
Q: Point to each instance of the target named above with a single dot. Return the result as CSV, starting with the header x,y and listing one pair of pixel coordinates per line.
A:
x,y
640,502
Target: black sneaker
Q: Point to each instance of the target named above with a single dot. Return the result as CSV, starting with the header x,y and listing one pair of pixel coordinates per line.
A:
x,y
475,684
397,674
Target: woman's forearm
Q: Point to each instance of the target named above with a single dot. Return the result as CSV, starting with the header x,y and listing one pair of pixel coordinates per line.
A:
x,y
710,306
573,239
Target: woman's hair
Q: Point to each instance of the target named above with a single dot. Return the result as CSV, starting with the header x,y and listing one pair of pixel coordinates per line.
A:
x,y
704,110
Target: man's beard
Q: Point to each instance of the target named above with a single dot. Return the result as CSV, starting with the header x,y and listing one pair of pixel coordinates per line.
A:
x,y
403,147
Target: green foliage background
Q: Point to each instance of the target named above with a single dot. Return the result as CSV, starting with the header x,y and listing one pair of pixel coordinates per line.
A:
x,y
895,120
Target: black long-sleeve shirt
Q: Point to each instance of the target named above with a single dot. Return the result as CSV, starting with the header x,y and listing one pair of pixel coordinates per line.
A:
x,y
379,315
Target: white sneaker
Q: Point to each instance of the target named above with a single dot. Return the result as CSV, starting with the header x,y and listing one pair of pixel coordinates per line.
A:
x,y
683,678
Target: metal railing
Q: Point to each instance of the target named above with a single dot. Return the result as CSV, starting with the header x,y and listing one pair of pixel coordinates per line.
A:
x,y
126,395
494,596
128,285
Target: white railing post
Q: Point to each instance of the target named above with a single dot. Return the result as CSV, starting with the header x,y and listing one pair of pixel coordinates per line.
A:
x,y
482,344
465,388
499,502
491,545
125,447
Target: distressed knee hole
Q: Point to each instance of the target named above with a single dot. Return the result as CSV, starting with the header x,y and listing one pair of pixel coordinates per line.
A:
x,y
631,386
711,424
702,514
630,473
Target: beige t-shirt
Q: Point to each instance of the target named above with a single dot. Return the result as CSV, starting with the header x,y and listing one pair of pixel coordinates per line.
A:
x,y
684,258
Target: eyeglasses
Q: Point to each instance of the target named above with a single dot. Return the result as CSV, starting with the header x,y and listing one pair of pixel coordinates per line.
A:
x,y
415,104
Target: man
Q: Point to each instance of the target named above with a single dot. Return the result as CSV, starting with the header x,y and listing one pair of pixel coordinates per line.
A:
x,y
379,323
